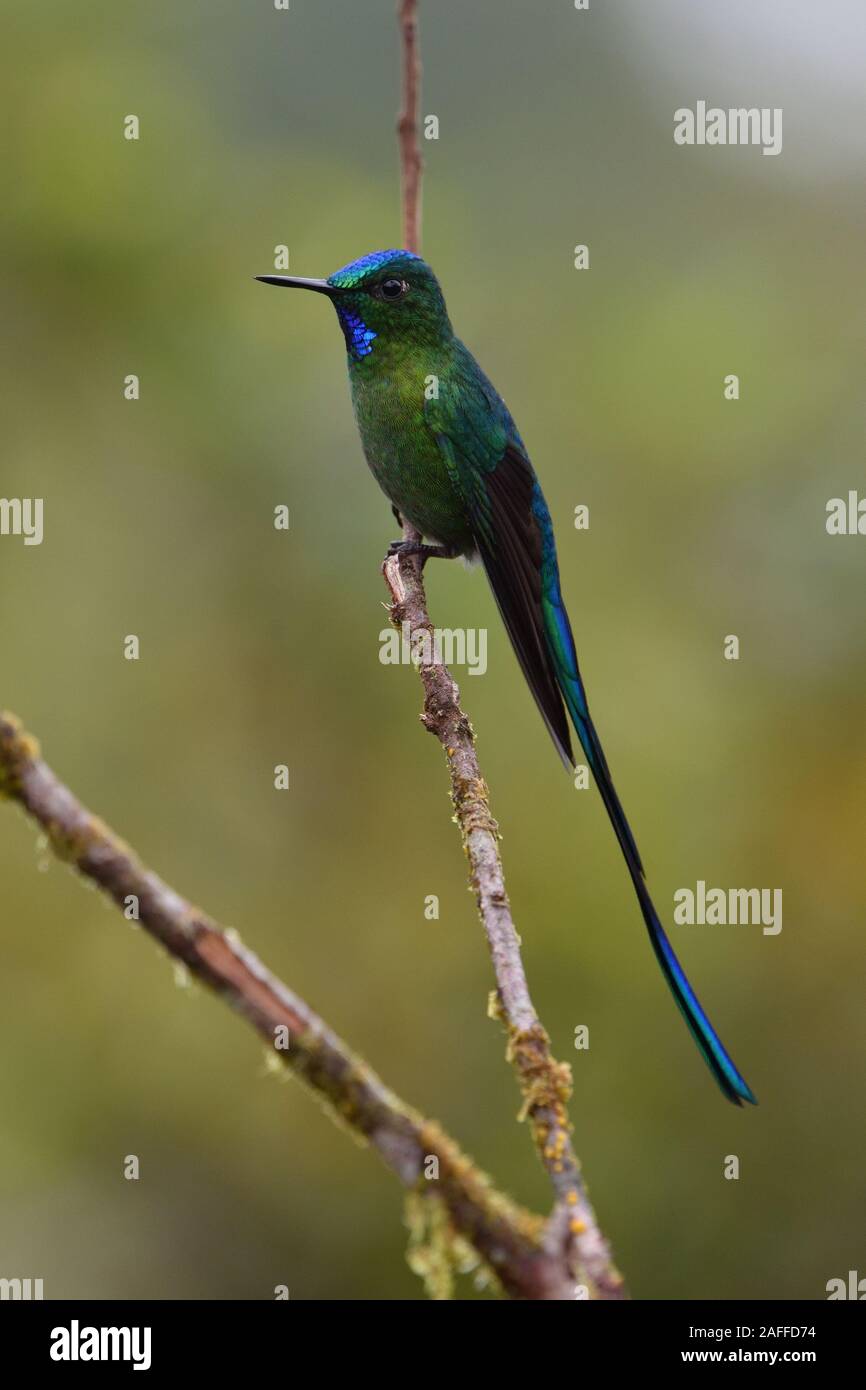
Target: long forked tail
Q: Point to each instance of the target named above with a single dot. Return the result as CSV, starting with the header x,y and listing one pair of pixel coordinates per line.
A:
x,y
561,646
514,534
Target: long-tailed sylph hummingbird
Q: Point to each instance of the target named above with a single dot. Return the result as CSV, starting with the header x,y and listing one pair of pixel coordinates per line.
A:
x,y
444,449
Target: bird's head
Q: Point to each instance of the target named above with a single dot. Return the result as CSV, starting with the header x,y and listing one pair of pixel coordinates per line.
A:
x,y
388,297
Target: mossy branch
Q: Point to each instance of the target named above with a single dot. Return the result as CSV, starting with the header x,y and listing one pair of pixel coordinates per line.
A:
x,y
545,1084
509,1240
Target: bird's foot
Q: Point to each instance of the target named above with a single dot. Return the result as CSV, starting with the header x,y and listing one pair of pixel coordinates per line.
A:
x,y
426,552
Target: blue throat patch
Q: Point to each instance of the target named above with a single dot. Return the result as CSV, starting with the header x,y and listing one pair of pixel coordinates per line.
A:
x,y
359,338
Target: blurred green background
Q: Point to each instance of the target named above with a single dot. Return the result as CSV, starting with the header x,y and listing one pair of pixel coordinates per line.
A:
x,y
261,647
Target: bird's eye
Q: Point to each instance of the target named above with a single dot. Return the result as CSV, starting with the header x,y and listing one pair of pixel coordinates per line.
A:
x,y
393,288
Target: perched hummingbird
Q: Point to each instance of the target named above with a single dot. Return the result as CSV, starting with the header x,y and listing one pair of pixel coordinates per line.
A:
x,y
444,449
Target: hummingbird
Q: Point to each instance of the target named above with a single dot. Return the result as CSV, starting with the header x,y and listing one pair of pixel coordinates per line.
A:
x,y
447,454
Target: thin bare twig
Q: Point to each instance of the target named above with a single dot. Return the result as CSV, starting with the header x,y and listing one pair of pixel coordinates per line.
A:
x,y
545,1083
411,162
506,1236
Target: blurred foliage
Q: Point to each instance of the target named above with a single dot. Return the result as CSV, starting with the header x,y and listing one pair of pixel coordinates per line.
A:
x,y
259,647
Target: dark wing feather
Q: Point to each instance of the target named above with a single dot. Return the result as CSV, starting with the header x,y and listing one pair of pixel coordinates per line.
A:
x,y
512,562
495,482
